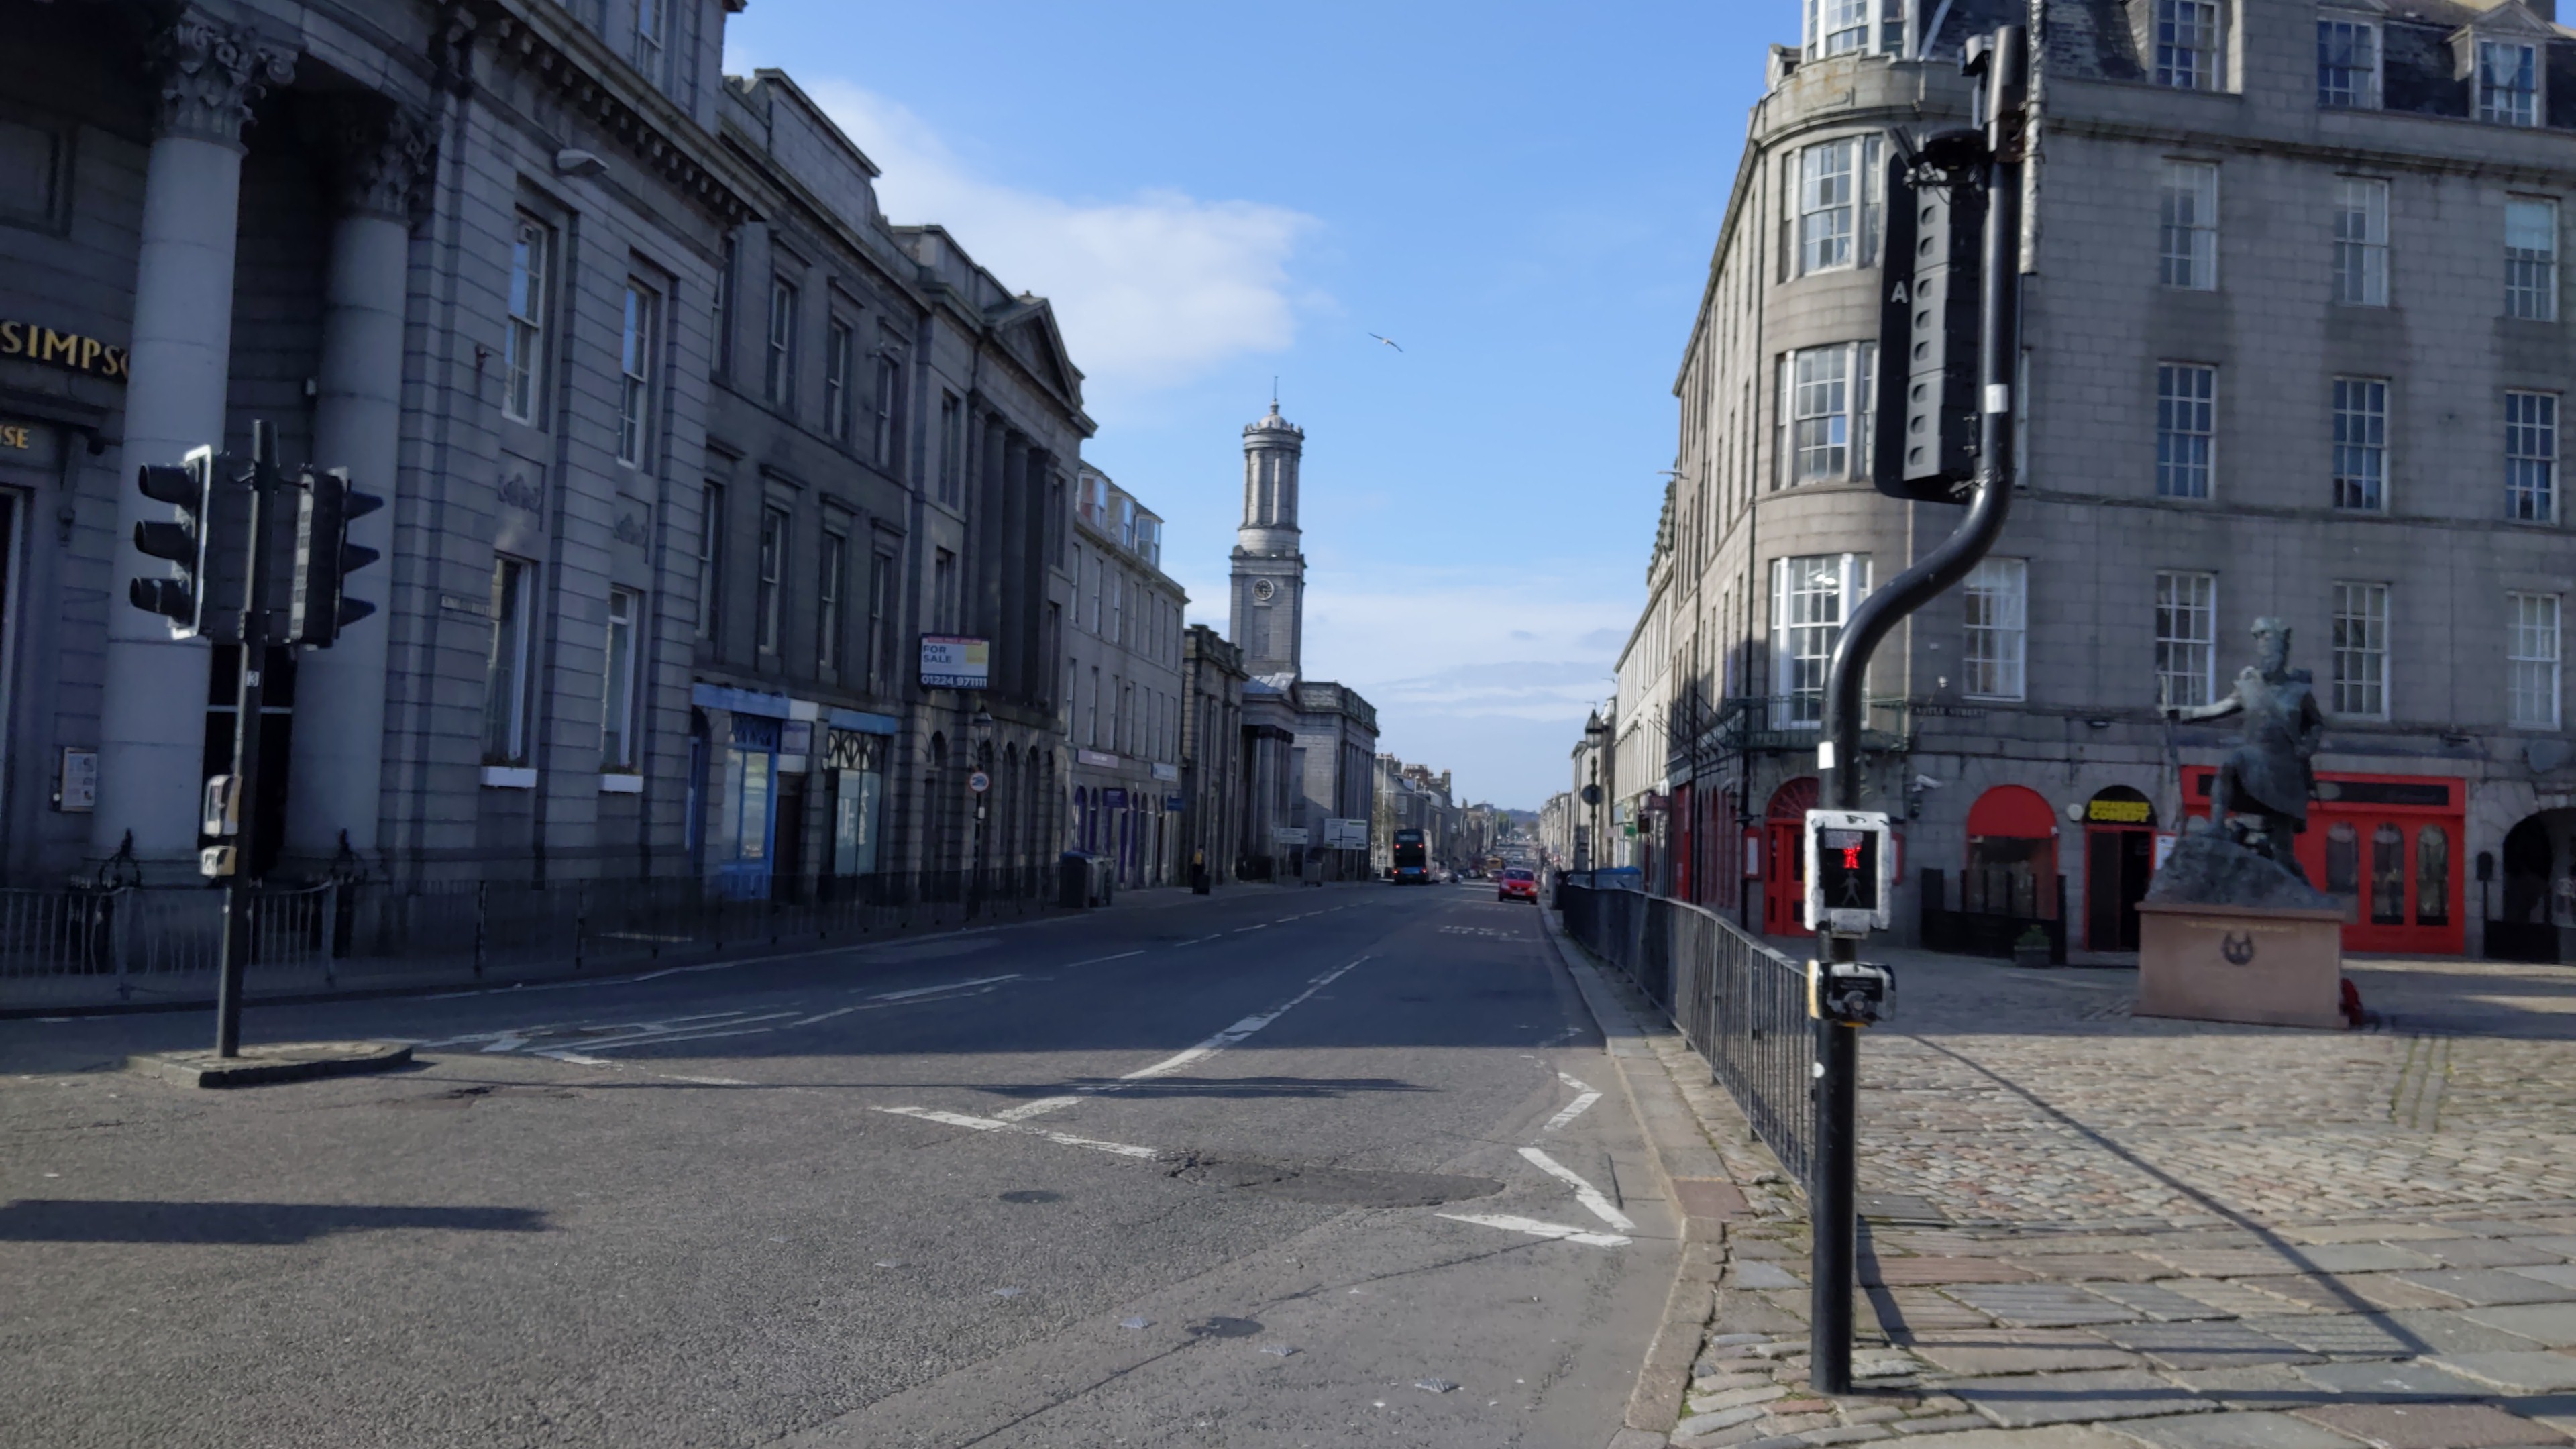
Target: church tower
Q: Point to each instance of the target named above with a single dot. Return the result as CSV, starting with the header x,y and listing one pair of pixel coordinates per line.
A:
x,y
1269,598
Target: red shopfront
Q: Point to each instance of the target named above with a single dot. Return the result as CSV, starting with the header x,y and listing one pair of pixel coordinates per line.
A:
x,y
2391,846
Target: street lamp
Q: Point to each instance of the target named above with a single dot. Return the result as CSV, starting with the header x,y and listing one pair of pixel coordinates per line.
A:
x,y
980,728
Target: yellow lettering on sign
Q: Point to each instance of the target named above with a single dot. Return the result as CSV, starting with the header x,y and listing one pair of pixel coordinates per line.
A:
x,y
2121,812
62,349
13,437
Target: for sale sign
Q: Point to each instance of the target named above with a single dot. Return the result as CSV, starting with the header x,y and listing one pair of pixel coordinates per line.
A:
x,y
950,661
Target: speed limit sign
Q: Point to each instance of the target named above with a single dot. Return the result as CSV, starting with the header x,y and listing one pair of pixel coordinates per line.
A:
x,y
979,782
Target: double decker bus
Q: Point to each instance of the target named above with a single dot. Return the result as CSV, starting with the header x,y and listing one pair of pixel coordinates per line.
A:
x,y
1412,859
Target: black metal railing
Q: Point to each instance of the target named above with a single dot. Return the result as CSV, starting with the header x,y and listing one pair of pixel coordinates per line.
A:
x,y
1740,1004
79,945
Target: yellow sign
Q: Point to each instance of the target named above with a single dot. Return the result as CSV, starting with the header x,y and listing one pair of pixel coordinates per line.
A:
x,y
2120,812
67,350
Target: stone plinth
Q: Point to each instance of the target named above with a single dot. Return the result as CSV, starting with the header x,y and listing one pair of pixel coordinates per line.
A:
x,y
2266,965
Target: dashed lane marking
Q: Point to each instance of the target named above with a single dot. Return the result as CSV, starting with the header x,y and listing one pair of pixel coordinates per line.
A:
x,y
919,995
1537,1229
1584,1192
1173,1063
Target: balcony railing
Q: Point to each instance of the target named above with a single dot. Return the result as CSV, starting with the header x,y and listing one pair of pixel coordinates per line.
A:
x,y
1756,724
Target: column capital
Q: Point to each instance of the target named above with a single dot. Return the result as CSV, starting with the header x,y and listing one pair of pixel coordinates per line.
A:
x,y
378,151
212,73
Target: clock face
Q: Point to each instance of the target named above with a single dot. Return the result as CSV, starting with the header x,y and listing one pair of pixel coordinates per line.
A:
x,y
1263,589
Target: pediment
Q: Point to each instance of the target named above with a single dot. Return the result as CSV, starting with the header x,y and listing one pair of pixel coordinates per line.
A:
x,y
2512,19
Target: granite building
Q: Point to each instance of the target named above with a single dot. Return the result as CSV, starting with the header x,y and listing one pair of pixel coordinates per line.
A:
x,y
2295,344
684,446
1123,688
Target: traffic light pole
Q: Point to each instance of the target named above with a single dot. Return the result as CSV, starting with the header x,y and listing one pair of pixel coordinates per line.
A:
x,y
241,888
1833,1195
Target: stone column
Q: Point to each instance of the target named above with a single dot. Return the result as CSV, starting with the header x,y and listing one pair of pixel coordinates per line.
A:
x,y
1014,645
379,154
151,729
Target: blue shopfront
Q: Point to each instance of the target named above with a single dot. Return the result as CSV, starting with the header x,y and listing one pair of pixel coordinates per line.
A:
x,y
855,753
736,745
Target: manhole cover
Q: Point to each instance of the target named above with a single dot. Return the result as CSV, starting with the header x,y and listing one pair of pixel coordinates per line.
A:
x,y
1033,1194
1226,1327
1333,1186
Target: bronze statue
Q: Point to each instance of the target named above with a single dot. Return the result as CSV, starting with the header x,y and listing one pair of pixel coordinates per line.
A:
x,y
2268,774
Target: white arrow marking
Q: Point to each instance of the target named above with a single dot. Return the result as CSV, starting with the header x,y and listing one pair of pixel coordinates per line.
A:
x,y
1584,1192
1537,1229
1575,1108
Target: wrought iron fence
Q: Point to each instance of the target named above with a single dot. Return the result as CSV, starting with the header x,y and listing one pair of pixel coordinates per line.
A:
x,y
78,945
1740,1004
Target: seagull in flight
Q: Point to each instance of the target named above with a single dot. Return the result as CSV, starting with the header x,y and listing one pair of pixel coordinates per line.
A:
x,y
1389,341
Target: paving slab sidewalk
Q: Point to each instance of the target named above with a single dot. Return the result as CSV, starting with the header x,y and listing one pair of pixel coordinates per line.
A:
x,y
2109,1232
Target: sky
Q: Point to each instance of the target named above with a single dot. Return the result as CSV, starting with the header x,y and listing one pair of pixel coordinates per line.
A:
x,y
1523,197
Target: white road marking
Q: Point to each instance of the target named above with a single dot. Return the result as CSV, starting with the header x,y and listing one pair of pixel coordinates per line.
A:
x,y
917,996
1537,1229
507,1044
1255,926
1575,1108
1121,956
996,1124
1584,1192
653,1033
714,1081
1173,1063
566,1054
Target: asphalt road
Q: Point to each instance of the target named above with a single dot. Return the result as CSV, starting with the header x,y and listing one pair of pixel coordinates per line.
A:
x,y
1276,1167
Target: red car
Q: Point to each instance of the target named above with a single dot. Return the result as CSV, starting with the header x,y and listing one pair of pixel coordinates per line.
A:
x,y
1517,884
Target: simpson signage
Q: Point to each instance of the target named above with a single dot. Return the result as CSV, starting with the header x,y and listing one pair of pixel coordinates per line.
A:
x,y
67,350
951,662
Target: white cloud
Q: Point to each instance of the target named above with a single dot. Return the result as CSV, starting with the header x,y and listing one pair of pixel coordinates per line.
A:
x,y
1151,292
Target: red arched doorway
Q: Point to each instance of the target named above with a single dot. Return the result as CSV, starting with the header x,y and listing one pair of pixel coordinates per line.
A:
x,y
2012,856
1784,858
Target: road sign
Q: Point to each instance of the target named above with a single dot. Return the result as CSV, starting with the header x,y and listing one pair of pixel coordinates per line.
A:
x,y
1288,834
979,782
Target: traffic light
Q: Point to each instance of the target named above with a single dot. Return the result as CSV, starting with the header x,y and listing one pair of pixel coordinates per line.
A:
x,y
324,557
207,545
1928,410
1851,870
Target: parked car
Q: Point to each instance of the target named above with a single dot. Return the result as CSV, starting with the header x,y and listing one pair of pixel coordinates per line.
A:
x,y
1517,884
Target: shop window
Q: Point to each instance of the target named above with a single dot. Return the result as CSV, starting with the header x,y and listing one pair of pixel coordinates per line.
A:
x,y
2432,876
2387,877
2343,859
2011,867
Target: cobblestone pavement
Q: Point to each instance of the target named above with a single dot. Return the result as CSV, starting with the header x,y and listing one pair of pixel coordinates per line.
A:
x,y
2096,1232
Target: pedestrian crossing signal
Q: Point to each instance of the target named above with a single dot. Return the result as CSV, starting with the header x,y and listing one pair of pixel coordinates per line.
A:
x,y
1850,870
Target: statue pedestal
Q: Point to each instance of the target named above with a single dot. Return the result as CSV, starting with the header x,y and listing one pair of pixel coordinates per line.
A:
x,y
2267,965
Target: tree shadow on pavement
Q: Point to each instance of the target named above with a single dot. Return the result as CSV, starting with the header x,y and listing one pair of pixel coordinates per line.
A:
x,y
47,1220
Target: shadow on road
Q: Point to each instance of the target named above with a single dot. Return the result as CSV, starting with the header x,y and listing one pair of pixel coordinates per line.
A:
x,y
44,1220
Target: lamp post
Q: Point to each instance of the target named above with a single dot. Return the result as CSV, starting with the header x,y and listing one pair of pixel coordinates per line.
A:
x,y
980,728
